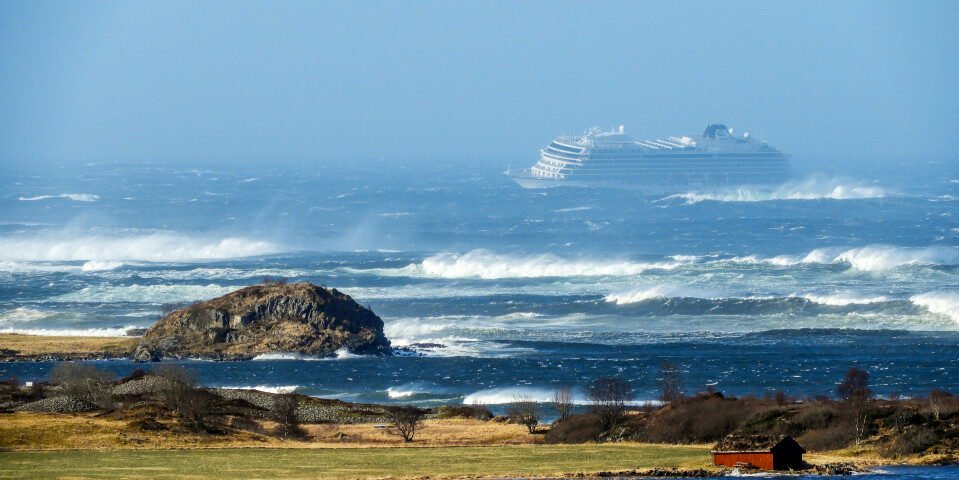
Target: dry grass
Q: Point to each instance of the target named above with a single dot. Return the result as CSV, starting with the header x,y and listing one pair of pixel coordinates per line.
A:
x,y
26,345
32,431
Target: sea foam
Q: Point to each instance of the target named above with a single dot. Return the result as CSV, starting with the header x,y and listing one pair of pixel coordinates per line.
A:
x,y
942,303
76,197
813,188
489,265
158,247
656,291
874,257
144,293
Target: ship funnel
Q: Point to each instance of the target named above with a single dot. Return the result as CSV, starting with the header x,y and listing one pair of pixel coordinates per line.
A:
x,y
622,129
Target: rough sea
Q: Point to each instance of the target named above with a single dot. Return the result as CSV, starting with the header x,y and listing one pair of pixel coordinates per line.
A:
x,y
503,291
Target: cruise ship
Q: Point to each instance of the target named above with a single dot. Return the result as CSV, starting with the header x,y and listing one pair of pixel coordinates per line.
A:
x,y
718,159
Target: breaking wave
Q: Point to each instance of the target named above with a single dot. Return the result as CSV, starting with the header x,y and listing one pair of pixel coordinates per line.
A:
x,y
814,188
656,291
100,265
144,293
942,303
72,332
844,298
868,258
158,247
504,395
76,197
23,315
489,265
266,388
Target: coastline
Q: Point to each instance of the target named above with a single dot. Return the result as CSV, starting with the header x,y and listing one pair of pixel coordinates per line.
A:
x,y
18,347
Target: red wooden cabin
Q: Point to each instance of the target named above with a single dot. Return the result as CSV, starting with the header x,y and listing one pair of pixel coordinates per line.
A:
x,y
765,452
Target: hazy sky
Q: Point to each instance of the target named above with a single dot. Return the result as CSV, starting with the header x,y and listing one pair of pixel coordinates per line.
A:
x,y
88,81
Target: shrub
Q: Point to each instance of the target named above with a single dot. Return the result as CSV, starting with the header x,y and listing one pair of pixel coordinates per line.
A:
x,y
284,412
406,420
135,374
815,416
829,438
910,442
523,411
179,394
575,429
671,383
84,382
563,402
699,420
477,412
610,397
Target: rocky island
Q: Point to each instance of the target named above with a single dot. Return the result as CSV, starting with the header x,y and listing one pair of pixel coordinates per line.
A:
x,y
273,317
299,318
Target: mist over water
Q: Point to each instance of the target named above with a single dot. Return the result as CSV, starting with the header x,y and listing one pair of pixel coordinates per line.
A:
x,y
502,291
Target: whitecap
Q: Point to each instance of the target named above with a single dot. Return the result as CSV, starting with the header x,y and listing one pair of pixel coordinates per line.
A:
x,y
282,389
76,197
657,291
942,303
158,247
73,332
844,298
100,265
144,293
812,188
489,265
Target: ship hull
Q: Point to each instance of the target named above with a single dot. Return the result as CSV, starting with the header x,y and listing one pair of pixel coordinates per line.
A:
x,y
532,183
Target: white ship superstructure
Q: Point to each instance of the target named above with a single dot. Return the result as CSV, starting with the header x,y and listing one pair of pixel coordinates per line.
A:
x,y
612,159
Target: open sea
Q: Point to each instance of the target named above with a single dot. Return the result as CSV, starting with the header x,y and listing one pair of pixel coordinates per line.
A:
x,y
503,291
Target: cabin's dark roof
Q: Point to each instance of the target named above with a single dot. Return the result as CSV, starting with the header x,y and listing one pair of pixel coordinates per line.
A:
x,y
755,443
710,131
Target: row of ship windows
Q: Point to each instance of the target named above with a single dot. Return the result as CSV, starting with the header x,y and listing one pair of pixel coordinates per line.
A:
x,y
565,149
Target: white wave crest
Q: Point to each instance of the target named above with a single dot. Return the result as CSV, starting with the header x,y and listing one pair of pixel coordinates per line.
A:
x,y
267,388
504,395
656,291
23,315
942,303
340,354
76,197
868,258
144,293
100,265
843,298
158,247
72,332
488,265
287,356
812,188
883,257
206,273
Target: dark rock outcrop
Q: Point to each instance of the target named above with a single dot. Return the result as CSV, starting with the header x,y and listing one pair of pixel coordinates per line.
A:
x,y
298,318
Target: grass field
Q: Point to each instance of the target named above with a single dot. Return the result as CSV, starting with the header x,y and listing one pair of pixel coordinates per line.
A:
x,y
46,345
347,463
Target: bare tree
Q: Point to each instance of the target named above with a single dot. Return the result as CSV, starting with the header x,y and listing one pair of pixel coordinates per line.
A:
x,y
406,419
284,411
175,385
179,393
609,398
670,382
84,382
523,411
563,402
857,396
937,398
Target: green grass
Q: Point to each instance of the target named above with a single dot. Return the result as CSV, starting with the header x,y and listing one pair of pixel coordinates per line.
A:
x,y
343,463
